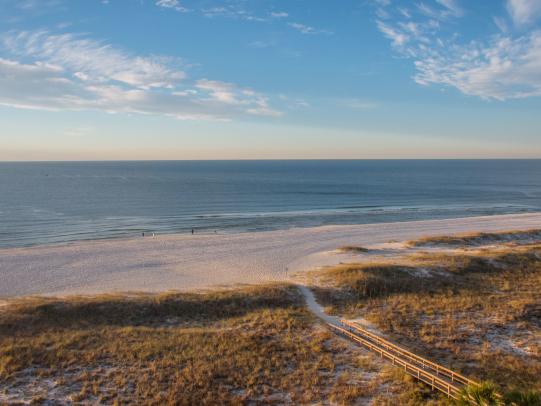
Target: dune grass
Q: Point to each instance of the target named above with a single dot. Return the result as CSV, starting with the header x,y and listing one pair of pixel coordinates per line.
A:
x,y
213,348
249,346
477,239
478,312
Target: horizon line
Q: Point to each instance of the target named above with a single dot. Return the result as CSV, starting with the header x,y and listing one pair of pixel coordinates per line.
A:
x,y
265,159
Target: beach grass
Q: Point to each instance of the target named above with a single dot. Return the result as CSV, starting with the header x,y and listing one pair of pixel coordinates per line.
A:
x,y
254,345
211,348
477,239
477,311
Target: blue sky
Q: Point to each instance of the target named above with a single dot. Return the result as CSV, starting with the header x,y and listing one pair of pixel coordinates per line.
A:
x,y
168,79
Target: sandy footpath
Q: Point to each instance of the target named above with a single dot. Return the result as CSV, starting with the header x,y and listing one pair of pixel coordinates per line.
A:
x,y
185,262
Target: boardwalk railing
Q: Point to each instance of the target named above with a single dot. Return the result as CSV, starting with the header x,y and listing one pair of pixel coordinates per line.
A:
x,y
408,355
437,376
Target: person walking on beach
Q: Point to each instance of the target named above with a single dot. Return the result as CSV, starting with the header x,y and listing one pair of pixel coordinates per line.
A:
x,y
192,231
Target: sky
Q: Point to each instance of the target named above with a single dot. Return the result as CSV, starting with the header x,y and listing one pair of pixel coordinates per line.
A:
x,y
269,79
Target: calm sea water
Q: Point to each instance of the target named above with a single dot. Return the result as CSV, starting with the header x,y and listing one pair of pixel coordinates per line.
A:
x,y
58,202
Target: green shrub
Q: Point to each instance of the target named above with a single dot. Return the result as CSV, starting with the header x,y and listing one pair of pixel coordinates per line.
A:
x,y
484,394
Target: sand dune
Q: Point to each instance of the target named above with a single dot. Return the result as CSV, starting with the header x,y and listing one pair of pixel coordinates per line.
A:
x,y
185,262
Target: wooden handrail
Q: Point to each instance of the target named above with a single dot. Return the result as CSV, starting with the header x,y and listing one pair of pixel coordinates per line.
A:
x,y
449,388
423,361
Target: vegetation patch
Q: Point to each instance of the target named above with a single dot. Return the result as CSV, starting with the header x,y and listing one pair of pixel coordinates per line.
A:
x,y
477,239
252,346
476,312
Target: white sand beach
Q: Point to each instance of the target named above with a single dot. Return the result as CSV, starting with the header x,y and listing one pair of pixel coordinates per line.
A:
x,y
186,262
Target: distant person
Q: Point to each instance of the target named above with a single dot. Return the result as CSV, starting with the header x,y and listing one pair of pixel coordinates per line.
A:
x,y
143,234
192,231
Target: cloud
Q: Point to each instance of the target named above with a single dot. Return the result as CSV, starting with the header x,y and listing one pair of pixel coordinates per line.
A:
x,y
262,108
72,72
441,9
219,91
498,68
504,69
229,94
36,5
524,12
236,9
397,37
94,60
36,85
279,14
173,4
231,11
404,12
452,8
306,29
501,24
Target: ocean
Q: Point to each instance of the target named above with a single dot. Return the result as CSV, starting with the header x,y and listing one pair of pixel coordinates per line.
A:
x,y
57,202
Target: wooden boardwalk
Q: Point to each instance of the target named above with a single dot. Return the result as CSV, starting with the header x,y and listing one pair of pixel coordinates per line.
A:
x,y
435,375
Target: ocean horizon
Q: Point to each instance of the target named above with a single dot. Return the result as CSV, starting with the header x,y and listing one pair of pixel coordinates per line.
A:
x,y
58,202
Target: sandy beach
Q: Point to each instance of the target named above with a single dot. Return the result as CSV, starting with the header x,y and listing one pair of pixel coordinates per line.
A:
x,y
186,262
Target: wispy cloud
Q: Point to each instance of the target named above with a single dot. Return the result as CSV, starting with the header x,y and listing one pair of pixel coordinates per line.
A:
x,y
308,30
220,91
73,72
36,5
397,37
441,10
17,11
524,12
451,8
236,11
172,4
503,69
93,61
500,67
239,10
500,23
280,14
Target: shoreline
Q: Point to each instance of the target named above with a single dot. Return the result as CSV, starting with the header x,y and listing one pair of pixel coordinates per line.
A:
x,y
184,262
225,232
49,241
